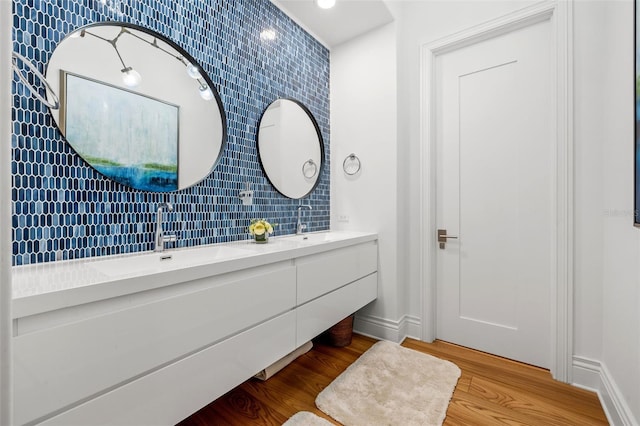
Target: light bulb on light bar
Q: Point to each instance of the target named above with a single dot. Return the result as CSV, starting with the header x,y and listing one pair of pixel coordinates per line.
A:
x,y
193,71
131,77
206,93
326,4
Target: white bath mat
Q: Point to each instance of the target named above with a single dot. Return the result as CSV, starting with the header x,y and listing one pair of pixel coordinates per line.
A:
x,y
391,385
306,418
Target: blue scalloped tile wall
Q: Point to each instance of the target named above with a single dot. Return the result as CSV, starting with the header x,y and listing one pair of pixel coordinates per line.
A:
x,y
63,209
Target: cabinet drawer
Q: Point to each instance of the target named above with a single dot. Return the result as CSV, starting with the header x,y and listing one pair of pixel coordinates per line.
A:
x,y
318,315
60,366
174,392
321,273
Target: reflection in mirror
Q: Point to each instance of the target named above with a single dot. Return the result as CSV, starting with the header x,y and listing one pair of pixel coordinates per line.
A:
x,y
136,107
290,148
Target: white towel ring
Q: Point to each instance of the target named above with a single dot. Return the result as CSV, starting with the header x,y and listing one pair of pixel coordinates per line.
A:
x,y
16,56
351,164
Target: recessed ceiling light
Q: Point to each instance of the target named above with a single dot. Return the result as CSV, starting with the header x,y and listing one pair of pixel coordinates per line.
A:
x,y
326,4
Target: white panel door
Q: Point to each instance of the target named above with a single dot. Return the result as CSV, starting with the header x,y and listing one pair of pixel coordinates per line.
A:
x,y
495,192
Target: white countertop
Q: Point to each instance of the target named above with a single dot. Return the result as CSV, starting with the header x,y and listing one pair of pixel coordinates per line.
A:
x,y
54,285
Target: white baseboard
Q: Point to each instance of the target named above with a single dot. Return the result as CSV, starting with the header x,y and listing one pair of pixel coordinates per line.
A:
x,y
386,329
585,373
594,376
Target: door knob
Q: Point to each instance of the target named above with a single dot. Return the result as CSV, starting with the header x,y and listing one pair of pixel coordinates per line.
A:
x,y
442,237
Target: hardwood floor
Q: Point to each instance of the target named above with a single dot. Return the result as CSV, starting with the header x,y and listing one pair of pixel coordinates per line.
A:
x,y
491,391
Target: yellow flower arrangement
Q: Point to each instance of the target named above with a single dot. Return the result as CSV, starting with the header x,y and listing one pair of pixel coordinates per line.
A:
x,y
260,229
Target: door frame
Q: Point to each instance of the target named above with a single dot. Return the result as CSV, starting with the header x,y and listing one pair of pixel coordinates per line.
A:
x,y
560,16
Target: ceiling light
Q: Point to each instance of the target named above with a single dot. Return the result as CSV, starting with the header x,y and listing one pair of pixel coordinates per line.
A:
x,y
325,4
131,77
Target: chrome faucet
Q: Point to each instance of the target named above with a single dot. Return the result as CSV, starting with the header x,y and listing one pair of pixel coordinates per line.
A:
x,y
161,238
300,226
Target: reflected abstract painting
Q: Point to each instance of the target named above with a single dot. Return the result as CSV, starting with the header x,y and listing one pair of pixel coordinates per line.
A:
x,y
126,136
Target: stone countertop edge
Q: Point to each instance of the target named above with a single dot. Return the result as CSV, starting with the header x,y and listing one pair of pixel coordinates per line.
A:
x,y
101,286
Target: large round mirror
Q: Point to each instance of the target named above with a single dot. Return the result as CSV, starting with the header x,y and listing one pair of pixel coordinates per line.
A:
x,y
136,107
290,148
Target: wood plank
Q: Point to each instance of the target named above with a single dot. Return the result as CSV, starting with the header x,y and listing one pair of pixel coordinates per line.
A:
x,y
240,408
548,410
533,379
491,391
467,409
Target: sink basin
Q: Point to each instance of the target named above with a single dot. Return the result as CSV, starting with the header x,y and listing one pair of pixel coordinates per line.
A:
x,y
314,238
152,262
204,254
311,238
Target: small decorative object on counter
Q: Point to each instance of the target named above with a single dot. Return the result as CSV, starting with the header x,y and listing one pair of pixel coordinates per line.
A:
x,y
260,229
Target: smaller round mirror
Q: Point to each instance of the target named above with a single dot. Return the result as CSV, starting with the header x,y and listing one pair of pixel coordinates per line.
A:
x,y
290,148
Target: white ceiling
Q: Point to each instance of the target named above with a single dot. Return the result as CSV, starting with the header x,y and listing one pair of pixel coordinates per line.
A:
x,y
346,20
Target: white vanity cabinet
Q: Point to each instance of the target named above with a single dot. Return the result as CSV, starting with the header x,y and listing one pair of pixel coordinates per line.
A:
x,y
333,285
156,356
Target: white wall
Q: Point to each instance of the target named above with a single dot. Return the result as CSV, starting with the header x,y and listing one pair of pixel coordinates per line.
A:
x,y
363,121
621,279
588,135
607,247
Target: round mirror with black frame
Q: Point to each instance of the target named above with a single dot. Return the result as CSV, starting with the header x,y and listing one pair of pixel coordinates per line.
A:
x,y
290,148
137,107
